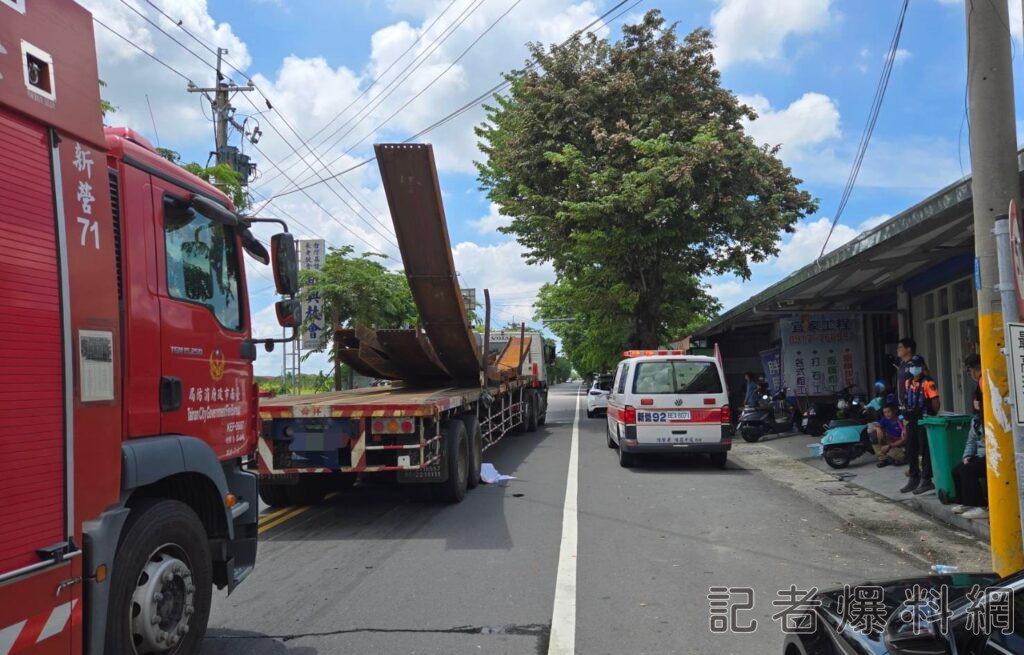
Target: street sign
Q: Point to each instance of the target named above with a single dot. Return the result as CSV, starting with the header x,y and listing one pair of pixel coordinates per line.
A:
x,y
1015,344
311,258
1017,255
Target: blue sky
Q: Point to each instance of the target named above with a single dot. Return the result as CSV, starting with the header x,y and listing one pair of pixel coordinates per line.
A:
x,y
809,67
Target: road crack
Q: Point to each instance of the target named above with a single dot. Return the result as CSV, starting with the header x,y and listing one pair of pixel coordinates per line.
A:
x,y
528,630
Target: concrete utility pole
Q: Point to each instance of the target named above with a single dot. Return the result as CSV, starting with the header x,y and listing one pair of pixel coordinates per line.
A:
x,y
220,102
994,184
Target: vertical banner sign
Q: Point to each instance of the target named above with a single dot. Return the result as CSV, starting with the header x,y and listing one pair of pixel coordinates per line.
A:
x,y
311,258
822,353
1015,341
771,364
1017,255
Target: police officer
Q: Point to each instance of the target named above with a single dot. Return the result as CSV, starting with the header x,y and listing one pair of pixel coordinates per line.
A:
x,y
920,399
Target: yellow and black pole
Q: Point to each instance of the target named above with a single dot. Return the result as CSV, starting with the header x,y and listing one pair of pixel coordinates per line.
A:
x,y
994,184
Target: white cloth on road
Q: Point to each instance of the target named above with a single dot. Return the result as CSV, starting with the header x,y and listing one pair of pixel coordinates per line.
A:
x,y
490,475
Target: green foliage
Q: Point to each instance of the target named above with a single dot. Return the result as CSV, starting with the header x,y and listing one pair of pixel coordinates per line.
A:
x,y
224,178
358,291
105,106
172,156
626,166
308,383
560,371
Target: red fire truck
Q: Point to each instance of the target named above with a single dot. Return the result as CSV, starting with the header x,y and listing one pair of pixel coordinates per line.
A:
x,y
127,403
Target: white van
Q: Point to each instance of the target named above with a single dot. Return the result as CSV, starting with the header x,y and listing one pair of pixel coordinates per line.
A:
x,y
663,401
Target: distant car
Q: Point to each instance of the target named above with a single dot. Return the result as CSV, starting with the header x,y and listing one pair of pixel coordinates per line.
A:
x,y
901,633
597,397
666,402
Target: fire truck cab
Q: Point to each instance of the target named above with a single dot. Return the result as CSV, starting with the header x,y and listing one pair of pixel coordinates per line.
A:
x,y
127,403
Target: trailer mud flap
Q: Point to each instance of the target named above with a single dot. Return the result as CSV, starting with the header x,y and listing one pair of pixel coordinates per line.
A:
x,y
435,472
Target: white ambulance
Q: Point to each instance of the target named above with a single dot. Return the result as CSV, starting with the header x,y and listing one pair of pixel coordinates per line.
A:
x,y
663,401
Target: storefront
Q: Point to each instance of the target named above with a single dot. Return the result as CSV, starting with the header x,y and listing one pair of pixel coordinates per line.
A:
x,y
910,276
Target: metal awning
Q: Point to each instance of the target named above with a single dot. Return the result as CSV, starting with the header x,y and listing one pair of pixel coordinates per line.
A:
x,y
874,263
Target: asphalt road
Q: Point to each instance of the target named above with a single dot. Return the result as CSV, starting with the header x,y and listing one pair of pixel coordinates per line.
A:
x,y
376,570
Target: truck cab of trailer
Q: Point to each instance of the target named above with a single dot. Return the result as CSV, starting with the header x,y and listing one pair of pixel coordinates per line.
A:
x,y
127,403
539,356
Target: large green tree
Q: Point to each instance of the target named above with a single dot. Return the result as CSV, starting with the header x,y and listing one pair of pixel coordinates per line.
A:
x,y
626,166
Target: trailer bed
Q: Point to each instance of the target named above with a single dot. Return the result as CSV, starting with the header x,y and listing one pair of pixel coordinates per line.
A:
x,y
378,401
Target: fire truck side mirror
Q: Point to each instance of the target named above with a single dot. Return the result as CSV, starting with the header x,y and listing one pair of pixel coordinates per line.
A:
x,y
286,264
289,313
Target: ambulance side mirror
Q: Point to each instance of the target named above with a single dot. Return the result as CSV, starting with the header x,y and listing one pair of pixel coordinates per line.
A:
x,y
286,264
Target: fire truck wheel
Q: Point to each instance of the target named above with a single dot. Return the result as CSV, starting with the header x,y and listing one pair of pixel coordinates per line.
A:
x,y
475,450
275,495
161,584
310,489
533,405
456,454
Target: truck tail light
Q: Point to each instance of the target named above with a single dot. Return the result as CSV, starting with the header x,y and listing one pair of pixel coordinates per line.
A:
x,y
726,416
629,415
393,426
536,375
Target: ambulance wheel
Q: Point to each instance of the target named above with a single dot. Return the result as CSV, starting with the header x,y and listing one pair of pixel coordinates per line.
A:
x,y
456,447
719,459
310,489
161,581
476,446
532,404
608,436
275,495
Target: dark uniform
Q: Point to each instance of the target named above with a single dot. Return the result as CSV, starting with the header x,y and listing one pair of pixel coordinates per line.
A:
x,y
918,394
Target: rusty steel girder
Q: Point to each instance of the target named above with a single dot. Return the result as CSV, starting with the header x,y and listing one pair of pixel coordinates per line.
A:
x,y
414,198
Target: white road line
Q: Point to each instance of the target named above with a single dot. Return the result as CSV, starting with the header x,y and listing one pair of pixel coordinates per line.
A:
x,y
562,640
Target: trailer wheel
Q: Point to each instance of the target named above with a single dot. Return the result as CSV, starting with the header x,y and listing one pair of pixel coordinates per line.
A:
x,y
543,418
161,583
456,455
310,489
476,446
275,495
531,417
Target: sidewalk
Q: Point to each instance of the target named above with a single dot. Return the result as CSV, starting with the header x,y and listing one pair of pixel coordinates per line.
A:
x,y
864,473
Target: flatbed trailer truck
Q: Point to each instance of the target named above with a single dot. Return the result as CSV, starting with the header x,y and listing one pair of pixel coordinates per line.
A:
x,y
309,445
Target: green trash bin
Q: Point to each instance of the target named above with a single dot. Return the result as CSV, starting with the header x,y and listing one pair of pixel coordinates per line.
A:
x,y
947,436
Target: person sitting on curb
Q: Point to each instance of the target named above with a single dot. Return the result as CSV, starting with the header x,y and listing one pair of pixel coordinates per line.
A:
x,y
889,438
969,475
920,399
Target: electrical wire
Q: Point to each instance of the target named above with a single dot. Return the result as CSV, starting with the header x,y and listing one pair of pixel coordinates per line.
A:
x,y
869,127
392,86
472,103
388,236
143,50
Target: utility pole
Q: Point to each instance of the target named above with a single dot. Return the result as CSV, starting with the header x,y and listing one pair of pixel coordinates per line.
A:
x,y
994,184
223,114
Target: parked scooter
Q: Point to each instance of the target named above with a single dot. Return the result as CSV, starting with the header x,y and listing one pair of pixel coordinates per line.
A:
x,y
817,417
772,415
846,437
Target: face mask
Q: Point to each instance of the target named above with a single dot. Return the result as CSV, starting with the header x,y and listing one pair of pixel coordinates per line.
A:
x,y
915,370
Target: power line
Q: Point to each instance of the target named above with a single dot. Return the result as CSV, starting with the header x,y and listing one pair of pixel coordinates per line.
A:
x,y
429,84
381,76
869,127
472,103
386,236
143,50
322,208
396,83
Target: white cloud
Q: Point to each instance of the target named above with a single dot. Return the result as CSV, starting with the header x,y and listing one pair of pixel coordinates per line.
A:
x,y
756,30
811,119
500,268
874,221
902,54
491,222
